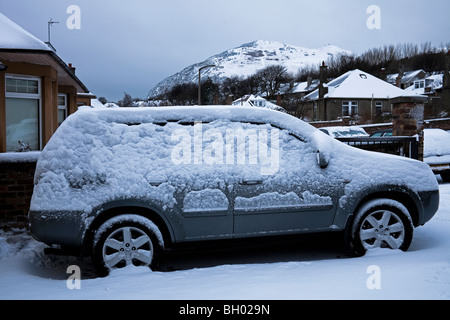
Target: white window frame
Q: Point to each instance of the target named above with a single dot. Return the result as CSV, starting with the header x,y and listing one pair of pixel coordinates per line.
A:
x,y
378,105
351,105
63,107
419,84
22,95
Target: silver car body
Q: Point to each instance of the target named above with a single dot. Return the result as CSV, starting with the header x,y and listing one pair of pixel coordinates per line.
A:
x,y
205,173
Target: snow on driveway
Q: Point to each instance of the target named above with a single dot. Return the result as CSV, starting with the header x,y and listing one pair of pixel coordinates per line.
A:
x,y
283,273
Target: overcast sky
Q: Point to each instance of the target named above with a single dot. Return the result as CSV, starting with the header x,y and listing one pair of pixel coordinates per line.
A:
x,y
129,46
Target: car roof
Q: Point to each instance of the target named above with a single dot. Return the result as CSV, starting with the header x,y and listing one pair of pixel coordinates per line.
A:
x,y
137,115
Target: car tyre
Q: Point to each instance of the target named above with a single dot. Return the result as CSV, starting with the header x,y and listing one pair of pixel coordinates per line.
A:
x,y
125,240
380,223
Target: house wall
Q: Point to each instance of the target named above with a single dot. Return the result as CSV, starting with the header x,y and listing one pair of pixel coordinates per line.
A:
x,y
331,109
83,101
49,97
2,113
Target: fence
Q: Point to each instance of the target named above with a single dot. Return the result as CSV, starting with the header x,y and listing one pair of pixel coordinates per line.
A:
x,y
402,146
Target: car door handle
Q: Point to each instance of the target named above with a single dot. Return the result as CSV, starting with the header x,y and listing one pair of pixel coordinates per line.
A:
x,y
156,183
250,182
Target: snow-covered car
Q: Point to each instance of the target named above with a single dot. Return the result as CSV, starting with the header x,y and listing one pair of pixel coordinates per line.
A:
x,y
124,184
436,151
344,132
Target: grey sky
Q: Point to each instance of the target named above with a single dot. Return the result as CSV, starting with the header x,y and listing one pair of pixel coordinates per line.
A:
x,y
132,45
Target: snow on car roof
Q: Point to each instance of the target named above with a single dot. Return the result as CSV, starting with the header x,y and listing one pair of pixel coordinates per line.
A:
x,y
195,113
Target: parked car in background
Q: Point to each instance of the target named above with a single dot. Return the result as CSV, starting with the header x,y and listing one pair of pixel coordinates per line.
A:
x,y
382,133
343,132
124,184
436,152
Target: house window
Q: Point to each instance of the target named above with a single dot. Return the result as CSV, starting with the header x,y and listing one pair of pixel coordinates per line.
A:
x,y
22,111
419,84
62,108
349,108
379,107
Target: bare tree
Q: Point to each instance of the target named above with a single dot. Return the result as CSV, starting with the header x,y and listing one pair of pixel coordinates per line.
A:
x,y
270,79
296,106
127,100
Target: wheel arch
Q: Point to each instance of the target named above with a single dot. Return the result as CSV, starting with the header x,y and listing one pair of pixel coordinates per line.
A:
x,y
405,198
114,209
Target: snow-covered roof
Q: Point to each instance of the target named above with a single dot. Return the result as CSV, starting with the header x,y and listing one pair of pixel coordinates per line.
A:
x,y
433,83
13,36
299,87
359,85
304,87
256,101
406,78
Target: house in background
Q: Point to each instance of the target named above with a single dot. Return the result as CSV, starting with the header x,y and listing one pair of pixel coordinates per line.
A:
x,y
38,90
297,89
355,94
251,100
406,79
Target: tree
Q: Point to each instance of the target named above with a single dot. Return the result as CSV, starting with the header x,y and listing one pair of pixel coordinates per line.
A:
x,y
296,106
182,94
102,100
270,79
209,92
127,101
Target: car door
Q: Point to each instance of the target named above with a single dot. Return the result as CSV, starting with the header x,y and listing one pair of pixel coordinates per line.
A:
x,y
294,196
203,199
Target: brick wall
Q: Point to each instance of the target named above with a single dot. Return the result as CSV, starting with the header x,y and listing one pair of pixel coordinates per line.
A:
x,y
16,189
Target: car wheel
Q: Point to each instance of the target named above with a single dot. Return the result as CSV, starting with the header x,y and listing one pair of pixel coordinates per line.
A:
x,y
445,176
381,223
126,240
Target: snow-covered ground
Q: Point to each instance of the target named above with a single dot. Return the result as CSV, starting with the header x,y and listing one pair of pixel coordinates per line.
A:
x,y
280,272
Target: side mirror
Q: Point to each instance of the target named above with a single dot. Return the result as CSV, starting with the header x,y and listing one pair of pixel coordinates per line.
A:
x,y
323,146
322,159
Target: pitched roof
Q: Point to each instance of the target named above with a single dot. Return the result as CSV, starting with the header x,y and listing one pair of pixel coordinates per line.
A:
x,y
256,101
358,84
406,78
13,36
16,41
431,83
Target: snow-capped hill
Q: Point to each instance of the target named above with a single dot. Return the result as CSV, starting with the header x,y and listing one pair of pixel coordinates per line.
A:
x,y
249,58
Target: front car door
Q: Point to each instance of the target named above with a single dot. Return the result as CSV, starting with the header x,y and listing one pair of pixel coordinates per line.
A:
x,y
280,189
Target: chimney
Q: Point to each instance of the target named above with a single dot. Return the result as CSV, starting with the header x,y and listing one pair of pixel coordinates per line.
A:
x,y
398,80
72,69
323,90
